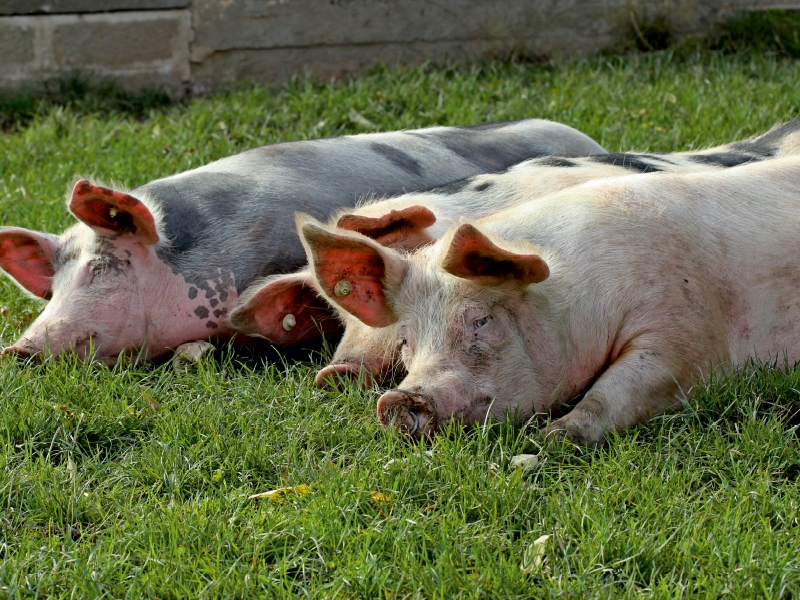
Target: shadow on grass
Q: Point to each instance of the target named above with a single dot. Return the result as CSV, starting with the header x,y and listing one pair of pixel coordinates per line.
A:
x,y
104,98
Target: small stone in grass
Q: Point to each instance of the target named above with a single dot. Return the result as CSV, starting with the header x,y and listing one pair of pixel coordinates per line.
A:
x,y
190,354
534,555
524,461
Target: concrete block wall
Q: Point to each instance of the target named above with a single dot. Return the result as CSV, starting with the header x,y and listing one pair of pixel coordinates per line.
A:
x,y
200,45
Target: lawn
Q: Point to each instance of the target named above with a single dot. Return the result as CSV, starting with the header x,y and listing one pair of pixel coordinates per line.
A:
x,y
137,481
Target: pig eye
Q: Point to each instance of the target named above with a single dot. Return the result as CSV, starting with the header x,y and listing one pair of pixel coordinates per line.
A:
x,y
478,323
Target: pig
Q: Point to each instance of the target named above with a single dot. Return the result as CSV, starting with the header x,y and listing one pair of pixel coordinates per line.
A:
x,y
619,294
286,309
147,270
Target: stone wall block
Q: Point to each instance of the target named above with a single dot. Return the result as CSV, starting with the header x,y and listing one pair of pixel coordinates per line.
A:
x,y
17,44
135,49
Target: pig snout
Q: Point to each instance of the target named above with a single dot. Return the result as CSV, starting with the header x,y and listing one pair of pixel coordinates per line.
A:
x,y
412,414
21,349
328,378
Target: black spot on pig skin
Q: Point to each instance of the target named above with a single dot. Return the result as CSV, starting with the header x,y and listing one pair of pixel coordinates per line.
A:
x,y
631,162
555,161
213,302
724,159
398,158
220,311
452,188
766,145
201,312
211,325
223,296
192,293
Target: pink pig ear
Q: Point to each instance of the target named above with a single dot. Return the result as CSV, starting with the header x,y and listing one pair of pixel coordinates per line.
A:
x,y
353,271
28,256
403,228
286,310
474,256
110,212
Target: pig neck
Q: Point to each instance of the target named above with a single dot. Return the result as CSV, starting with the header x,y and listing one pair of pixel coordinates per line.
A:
x,y
181,311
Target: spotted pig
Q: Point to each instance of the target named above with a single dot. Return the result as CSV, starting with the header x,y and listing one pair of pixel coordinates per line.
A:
x,y
147,270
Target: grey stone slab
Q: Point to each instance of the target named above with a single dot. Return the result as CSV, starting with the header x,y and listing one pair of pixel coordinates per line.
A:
x,y
33,7
134,49
114,44
17,45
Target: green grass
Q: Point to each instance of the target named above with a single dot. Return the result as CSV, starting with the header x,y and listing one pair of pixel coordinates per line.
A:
x,y
135,481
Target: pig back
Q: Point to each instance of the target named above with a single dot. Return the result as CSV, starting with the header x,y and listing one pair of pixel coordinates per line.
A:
x,y
236,215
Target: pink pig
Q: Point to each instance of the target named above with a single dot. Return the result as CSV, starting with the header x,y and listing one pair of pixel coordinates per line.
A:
x,y
618,295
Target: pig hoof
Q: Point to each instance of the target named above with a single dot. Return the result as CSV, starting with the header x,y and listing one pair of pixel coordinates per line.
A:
x,y
187,355
575,431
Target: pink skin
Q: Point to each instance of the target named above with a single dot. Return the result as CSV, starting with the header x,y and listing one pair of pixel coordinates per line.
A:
x,y
109,292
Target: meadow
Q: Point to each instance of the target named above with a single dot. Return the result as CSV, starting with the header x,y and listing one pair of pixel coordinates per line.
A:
x,y
137,480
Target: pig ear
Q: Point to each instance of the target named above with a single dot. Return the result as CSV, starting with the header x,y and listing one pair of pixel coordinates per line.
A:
x,y
403,228
353,271
109,212
28,256
286,310
471,255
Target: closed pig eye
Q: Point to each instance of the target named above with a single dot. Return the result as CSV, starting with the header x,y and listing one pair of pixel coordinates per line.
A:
x,y
478,323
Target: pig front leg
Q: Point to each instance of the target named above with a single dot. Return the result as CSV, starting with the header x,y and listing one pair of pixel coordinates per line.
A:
x,y
648,378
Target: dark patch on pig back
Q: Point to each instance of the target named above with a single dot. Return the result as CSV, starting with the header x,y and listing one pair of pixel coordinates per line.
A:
x,y
201,312
555,161
398,158
489,153
487,126
452,188
633,162
766,145
724,159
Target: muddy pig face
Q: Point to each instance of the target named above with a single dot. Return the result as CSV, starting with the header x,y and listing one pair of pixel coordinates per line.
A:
x,y
464,312
93,276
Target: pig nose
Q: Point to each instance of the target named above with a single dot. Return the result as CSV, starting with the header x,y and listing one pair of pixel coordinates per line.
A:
x,y
18,351
329,377
412,414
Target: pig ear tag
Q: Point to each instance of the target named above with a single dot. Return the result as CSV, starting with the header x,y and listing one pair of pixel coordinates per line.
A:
x,y
342,288
289,321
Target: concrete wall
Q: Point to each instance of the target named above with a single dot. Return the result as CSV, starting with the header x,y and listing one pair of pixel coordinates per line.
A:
x,y
197,45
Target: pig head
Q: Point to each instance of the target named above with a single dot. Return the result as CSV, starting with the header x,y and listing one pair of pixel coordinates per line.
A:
x,y
289,309
108,292
458,326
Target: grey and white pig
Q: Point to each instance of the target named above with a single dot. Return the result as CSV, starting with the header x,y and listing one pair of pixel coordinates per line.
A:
x,y
286,309
619,293
161,265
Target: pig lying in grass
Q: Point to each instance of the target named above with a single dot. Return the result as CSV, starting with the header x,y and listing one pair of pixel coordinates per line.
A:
x,y
147,270
617,294
286,309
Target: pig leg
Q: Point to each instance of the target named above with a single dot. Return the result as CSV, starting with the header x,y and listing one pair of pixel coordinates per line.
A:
x,y
643,381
